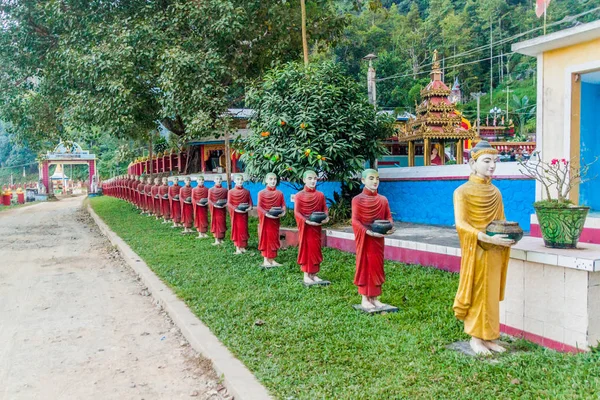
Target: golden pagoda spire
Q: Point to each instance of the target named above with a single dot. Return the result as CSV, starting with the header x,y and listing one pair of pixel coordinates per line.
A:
x,y
436,72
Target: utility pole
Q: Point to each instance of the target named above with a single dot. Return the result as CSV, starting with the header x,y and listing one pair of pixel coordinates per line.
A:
x,y
491,64
477,96
304,40
507,90
371,76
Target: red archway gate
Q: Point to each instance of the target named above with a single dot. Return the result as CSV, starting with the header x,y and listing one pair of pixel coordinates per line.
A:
x,y
67,153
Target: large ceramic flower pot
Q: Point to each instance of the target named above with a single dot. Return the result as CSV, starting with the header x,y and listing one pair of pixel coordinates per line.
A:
x,y
561,227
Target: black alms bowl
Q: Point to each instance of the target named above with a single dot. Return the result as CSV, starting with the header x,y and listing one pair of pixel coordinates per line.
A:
x,y
318,217
221,202
509,228
276,211
165,197
188,200
176,197
202,202
243,206
382,226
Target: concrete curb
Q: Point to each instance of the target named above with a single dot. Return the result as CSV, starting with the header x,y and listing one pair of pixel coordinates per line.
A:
x,y
238,379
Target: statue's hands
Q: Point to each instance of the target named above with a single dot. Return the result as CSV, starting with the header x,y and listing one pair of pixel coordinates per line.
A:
x,y
326,220
239,211
271,216
498,240
311,223
374,234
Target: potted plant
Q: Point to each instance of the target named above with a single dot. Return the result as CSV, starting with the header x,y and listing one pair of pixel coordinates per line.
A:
x,y
561,222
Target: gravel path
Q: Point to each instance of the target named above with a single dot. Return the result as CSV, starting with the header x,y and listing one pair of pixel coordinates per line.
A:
x,y
75,323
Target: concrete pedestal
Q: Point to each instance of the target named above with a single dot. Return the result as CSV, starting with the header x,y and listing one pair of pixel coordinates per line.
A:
x,y
553,295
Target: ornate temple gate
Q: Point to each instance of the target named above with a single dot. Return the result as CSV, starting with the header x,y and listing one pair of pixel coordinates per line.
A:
x,y
68,153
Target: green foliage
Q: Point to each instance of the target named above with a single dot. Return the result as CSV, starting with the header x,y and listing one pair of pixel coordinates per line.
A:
x,y
314,118
404,33
314,345
340,209
160,145
123,67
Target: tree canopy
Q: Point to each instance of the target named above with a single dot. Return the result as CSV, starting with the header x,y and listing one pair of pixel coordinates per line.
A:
x,y
312,118
124,67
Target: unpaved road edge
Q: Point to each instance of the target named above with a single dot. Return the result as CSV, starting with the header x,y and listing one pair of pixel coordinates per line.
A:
x,y
238,379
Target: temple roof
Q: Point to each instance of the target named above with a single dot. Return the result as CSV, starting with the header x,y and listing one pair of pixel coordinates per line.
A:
x,y
436,117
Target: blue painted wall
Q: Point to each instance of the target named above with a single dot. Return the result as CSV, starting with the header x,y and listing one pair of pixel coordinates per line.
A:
x,y
430,202
426,202
589,192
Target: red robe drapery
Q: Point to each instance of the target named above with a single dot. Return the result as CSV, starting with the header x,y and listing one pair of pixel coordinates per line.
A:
x,y
200,212
165,208
306,202
141,199
156,202
131,191
218,224
187,210
148,195
175,205
366,208
239,221
268,228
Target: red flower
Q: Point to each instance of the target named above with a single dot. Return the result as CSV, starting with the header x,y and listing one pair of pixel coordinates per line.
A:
x,y
554,161
564,161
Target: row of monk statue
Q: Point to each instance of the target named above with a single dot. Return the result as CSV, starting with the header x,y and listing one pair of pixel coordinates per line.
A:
x,y
476,203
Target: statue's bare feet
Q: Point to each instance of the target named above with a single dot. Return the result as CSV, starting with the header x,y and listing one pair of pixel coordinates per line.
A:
x,y
266,262
308,278
494,346
274,263
217,242
315,278
366,303
377,303
238,251
174,226
479,347
243,249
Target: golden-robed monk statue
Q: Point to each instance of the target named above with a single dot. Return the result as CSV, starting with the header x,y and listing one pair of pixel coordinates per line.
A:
x,y
484,258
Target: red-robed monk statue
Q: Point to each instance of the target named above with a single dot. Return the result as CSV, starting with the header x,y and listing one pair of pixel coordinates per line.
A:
x,y
200,204
165,207
271,207
306,202
174,202
141,197
368,207
217,201
239,203
149,199
156,198
187,210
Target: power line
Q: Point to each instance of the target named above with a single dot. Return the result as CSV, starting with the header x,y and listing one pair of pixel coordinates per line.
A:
x,y
21,165
451,66
568,18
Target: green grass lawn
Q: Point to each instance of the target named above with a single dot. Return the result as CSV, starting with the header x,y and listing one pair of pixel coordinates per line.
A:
x,y
314,345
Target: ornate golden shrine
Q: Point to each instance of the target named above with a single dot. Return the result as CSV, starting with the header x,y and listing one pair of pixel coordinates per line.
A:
x,y
436,122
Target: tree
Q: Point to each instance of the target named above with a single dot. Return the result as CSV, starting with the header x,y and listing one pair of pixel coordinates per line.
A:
x,y
123,67
314,118
522,112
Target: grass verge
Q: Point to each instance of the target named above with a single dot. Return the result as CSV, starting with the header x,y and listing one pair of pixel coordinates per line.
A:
x,y
314,345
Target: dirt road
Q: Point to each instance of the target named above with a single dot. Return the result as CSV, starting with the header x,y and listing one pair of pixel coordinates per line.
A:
x,y
76,324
